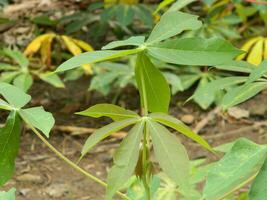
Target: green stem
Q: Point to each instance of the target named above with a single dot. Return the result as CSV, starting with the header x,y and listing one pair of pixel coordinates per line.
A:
x,y
72,164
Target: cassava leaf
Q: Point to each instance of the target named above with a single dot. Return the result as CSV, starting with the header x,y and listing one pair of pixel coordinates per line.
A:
x,y
9,195
116,113
125,160
38,118
52,79
14,96
23,81
104,132
153,87
194,51
235,169
9,146
242,93
132,41
17,56
176,124
170,153
171,24
258,189
93,57
4,105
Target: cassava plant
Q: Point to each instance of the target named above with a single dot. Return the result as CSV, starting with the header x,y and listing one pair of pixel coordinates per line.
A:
x,y
133,154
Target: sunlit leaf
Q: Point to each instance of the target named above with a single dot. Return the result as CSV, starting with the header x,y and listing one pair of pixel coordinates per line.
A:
x,y
235,169
171,24
14,96
116,113
132,41
37,117
93,57
256,53
214,51
10,195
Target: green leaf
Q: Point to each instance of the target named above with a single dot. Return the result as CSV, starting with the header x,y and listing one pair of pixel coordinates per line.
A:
x,y
125,160
132,41
8,76
10,195
153,87
176,124
116,113
194,51
189,80
179,4
257,73
9,146
52,79
124,14
4,105
17,56
242,93
171,24
174,81
37,117
5,66
94,57
258,189
235,169
14,96
170,153
104,132
23,81
162,5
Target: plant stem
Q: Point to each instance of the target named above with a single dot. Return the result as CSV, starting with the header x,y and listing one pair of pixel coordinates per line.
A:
x,y
72,164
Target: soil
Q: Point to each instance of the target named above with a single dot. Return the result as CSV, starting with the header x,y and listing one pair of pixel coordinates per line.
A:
x,y
40,175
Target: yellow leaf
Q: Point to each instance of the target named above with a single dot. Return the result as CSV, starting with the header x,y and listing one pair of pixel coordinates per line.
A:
x,y
131,2
71,46
247,46
46,50
35,45
255,56
85,46
109,3
265,49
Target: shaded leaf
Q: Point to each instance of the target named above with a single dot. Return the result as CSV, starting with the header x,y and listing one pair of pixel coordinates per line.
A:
x,y
153,87
17,56
104,132
125,160
23,81
176,124
170,153
258,189
52,79
9,146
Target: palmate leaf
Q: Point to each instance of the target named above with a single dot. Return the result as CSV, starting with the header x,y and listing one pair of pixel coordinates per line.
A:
x,y
258,189
52,79
214,51
104,132
131,41
170,153
17,56
153,87
93,57
9,146
257,73
235,169
176,124
125,160
116,113
14,96
171,24
4,105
